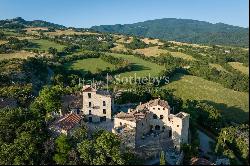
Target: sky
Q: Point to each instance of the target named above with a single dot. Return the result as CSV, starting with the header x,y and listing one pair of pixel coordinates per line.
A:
x,y
87,13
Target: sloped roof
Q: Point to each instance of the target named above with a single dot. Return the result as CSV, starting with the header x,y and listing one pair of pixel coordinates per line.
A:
x,y
68,121
200,161
154,102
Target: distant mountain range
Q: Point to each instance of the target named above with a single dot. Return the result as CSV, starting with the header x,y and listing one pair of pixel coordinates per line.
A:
x,y
183,30
19,22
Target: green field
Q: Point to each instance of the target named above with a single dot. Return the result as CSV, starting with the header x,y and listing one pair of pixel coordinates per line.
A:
x,y
42,44
234,105
141,67
90,64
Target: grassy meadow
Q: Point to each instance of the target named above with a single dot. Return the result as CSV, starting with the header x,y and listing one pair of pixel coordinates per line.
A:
x,y
141,67
17,54
233,105
42,44
91,64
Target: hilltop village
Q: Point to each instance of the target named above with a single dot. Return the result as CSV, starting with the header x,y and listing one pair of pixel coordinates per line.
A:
x,y
87,96
139,128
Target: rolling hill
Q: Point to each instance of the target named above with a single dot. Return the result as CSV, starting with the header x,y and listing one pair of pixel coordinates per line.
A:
x,y
183,30
19,22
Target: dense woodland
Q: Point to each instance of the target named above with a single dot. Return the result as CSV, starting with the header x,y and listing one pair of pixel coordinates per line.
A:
x,y
183,30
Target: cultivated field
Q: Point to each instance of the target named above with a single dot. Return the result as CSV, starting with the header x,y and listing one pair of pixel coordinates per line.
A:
x,y
155,51
3,42
123,39
188,44
69,32
234,105
239,66
18,54
119,47
153,41
46,44
33,30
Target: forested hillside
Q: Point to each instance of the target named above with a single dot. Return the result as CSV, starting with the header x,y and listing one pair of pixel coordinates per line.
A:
x,y
183,30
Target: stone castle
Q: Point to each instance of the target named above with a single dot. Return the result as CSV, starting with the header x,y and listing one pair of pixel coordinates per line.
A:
x,y
153,117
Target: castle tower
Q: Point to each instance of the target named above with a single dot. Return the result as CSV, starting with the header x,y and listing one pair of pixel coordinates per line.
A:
x,y
180,128
97,105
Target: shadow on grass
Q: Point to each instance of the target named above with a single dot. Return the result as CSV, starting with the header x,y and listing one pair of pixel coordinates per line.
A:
x,y
136,67
231,113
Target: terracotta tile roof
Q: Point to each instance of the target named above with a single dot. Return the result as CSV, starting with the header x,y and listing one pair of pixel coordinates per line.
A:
x,y
88,89
128,116
68,121
200,161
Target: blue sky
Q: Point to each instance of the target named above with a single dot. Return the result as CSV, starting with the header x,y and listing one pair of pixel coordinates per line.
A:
x,y
86,13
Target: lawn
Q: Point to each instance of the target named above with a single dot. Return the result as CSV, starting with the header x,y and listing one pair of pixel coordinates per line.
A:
x,y
18,54
42,44
239,66
90,64
141,67
233,105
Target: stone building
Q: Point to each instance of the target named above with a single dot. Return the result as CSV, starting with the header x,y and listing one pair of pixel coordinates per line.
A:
x,y
66,124
151,118
97,104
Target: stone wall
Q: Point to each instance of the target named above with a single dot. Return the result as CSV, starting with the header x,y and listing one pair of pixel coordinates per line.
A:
x,y
97,110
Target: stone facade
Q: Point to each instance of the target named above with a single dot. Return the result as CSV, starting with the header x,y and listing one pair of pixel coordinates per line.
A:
x,y
97,105
153,117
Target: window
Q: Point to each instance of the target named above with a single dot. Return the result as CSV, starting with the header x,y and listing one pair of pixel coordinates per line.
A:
x,y
142,124
89,104
104,111
89,95
90,119
155,116
163,127
153,108
157,127
170,133
120,123
90,112
158,108
177,125
168,119
161,116
104,103
163,108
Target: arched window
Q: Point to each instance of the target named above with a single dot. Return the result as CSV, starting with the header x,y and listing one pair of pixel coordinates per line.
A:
x,y
161,116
